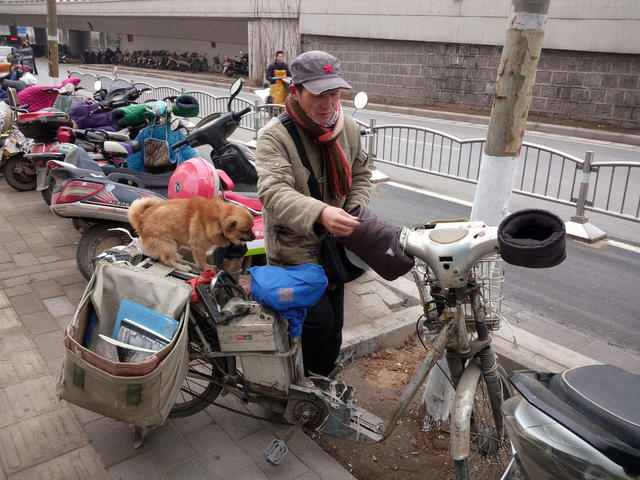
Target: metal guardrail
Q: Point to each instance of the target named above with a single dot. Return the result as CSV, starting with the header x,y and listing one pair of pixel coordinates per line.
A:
x,y
543,172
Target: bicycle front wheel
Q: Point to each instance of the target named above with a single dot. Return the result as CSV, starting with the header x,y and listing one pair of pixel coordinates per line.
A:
x,y
489,449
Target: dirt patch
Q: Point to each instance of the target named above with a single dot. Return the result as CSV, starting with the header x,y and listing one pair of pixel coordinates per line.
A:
x,y
412,452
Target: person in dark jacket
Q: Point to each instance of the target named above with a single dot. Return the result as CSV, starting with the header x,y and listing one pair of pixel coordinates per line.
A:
x,y
278,64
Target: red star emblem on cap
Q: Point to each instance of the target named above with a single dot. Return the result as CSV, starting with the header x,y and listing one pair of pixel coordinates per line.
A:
x,y
328,68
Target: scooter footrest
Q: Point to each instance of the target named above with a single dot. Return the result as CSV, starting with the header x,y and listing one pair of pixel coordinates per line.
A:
x,y
276,451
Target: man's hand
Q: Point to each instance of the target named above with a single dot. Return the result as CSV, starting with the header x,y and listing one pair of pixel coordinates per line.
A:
x,y
337,221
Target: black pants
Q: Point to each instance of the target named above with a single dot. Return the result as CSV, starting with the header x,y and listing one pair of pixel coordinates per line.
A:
x,y
322,332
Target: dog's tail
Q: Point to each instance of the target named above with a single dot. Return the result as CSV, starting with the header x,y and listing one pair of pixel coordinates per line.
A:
x,y
137,209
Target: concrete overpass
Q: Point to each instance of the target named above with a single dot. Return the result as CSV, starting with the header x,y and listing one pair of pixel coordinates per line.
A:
x,y
389,48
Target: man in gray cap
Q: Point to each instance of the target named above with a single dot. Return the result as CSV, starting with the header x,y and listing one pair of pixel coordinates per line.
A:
x,y
312,170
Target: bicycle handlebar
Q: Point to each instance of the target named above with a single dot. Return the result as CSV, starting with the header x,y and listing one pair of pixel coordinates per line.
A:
x,y
451,249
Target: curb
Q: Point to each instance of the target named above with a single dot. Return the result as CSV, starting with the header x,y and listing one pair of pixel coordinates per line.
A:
x,y
579,132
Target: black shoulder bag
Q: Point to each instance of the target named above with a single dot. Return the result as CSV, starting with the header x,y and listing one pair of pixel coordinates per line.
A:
x,y
333,257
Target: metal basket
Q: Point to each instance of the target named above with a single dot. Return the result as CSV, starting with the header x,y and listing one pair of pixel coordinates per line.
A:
x,y
488,274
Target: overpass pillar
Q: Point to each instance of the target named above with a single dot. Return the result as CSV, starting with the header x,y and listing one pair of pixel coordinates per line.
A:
x,y
78,41
266,37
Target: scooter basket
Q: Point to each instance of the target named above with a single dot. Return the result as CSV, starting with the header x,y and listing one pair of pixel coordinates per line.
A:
x,y
140,394
43,126
532,238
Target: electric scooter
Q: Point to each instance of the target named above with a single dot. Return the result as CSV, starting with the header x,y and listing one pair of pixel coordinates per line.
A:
x,y
581,423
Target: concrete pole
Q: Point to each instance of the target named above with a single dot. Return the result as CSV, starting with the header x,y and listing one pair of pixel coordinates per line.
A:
x,y
52,37
511,101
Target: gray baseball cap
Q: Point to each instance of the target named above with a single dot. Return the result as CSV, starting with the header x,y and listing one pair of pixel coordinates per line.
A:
x,y
318,72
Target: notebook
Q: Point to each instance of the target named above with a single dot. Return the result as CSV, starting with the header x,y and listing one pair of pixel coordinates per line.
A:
x,y
156,322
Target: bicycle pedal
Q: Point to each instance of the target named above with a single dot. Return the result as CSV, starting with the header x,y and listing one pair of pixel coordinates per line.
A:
x,y
346,357
276,451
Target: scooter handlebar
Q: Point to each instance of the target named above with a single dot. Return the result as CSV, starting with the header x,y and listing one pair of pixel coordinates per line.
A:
x,y
179,144
238,115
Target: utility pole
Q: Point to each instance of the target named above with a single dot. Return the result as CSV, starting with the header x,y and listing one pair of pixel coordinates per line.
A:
x,y
511,101
52,37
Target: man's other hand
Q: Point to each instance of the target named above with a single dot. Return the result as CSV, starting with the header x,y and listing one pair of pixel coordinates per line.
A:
x,y
337,221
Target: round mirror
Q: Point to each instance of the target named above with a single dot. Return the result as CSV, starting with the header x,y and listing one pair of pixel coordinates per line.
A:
x,y
175,124
360,100
97,85
236,87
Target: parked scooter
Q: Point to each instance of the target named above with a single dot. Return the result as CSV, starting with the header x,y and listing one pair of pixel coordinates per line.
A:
x,y
99,200
36,98
581,423
40,135
236,66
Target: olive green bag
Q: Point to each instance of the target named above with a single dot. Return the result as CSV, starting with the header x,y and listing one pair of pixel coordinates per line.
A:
x,y
140,394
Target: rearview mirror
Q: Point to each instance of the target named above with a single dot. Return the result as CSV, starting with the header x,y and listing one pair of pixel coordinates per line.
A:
x,y
360,100
234,90
175,124
97,85
115,70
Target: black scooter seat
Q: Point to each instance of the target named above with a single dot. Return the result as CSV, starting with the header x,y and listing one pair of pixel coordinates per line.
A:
x,y
608,395
143,179
602,389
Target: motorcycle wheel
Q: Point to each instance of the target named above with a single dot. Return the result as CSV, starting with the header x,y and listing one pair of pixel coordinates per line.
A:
x,y
96,240
19,173
228,72
489,450
217,68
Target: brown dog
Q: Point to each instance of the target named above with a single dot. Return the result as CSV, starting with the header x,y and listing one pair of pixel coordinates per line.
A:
x,y
197,222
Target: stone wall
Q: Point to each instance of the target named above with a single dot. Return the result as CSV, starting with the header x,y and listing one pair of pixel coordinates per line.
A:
x,y
602,88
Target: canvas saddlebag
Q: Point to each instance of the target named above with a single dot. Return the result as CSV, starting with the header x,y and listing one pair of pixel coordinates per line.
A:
x,y
140,394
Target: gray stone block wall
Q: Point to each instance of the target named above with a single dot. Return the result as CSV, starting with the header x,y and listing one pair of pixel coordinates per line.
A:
x,y
602,88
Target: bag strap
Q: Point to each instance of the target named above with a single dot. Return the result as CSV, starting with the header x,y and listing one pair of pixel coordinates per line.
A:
x,y
312,181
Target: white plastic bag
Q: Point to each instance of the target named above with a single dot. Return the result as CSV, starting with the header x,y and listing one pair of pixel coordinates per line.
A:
x,y
29,79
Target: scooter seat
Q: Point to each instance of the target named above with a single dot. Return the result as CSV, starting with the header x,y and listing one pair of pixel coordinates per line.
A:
x,y
606,394
147,180
535,387
118,136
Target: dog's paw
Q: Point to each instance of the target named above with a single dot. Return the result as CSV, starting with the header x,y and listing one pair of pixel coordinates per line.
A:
x,y
179,266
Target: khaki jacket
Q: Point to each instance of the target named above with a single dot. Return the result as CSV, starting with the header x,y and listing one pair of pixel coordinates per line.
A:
x,y
291,235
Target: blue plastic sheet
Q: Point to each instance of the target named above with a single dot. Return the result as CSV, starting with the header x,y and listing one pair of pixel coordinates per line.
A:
x,y
289,291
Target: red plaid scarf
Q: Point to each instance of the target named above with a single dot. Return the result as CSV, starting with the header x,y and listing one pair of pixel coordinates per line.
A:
x,y
337,167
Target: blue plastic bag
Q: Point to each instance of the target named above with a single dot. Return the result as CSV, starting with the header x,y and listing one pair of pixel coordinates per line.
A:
x,y
289,291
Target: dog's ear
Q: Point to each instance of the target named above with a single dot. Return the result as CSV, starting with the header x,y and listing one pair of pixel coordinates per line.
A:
x,y
229,224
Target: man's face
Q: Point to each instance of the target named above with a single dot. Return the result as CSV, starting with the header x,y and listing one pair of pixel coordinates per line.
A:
x,y
318,107
280,58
